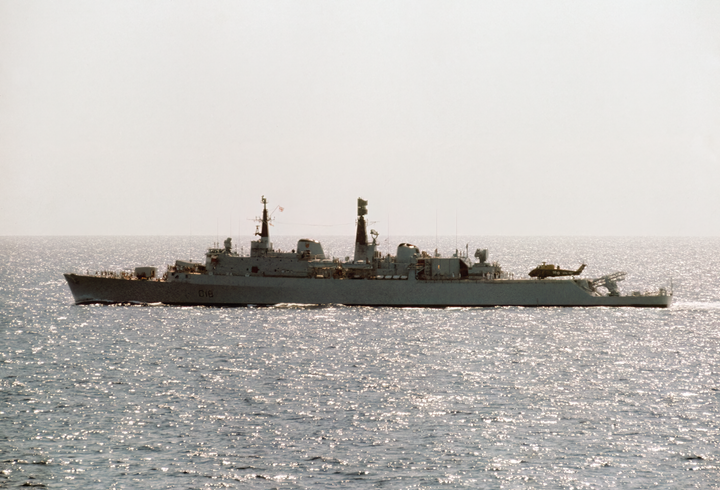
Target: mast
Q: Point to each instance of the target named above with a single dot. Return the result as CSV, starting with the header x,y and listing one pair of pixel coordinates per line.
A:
x,y
263,245
363,250
265,233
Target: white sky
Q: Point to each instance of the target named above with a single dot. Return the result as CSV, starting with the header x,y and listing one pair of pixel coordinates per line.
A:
x,y
518,118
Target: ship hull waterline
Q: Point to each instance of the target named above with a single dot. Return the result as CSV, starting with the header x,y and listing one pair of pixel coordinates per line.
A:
x,y
218,290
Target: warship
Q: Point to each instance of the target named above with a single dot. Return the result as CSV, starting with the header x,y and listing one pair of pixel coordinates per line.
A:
x,y
410,278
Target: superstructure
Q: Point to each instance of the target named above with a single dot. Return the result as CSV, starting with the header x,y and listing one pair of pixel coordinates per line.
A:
x,y
410,278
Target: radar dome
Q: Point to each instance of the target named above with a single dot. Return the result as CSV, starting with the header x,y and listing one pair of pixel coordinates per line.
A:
x,y
406,252
311,246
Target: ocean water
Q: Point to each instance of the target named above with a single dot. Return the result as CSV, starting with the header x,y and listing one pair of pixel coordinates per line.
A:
x,y
331,396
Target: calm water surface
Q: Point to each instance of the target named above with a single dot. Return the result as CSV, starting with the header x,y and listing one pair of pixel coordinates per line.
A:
x,y
298,397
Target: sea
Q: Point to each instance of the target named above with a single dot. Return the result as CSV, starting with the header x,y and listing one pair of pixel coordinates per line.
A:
x,y
331,396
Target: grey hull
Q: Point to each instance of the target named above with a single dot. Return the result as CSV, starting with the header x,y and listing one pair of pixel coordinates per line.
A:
x,y
217,290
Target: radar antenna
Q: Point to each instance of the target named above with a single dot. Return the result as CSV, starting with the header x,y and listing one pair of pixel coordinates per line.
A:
x,y
374,235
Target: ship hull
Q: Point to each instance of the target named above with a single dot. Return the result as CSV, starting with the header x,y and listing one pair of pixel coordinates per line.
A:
x,y
217,290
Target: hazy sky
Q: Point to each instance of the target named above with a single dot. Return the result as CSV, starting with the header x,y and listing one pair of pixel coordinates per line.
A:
x,y
515,118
